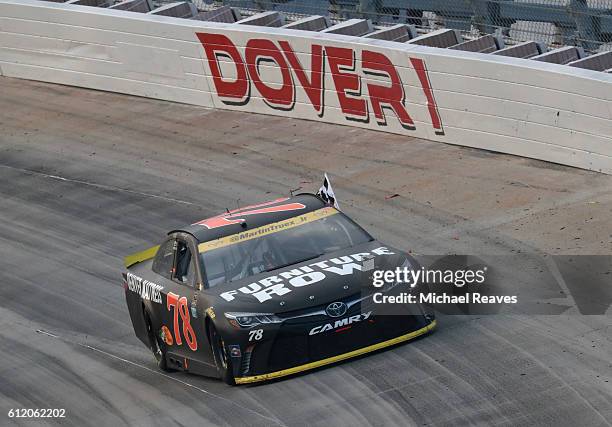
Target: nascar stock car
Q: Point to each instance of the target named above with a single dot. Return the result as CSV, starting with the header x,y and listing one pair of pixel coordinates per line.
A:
x,y
265,291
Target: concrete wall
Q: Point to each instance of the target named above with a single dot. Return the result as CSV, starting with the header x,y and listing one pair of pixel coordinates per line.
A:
x,y
544,111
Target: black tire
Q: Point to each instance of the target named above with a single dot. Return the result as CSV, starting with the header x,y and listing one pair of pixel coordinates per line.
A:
x,y
158,347
223,362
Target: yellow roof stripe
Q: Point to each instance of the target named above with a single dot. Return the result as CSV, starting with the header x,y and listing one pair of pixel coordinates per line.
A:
x,y
267,229
354,353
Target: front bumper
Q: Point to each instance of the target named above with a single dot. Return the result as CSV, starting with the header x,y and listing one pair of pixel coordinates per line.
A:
x,y
339,357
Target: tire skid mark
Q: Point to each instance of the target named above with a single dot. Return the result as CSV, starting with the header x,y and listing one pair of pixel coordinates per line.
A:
x,y
528,355
276,421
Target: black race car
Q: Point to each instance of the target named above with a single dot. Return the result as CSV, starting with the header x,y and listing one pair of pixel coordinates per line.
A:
x,y
266,291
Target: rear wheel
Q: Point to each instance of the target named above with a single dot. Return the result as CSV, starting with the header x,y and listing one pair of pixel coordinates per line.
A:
x,y
157,345
223,362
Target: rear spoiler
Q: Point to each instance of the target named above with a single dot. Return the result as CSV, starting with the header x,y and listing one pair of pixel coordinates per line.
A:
x,y
147,254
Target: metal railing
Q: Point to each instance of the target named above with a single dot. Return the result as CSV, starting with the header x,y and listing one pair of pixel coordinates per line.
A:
x,y
584,23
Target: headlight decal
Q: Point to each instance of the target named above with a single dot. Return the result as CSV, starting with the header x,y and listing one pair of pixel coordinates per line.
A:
x,y
249,320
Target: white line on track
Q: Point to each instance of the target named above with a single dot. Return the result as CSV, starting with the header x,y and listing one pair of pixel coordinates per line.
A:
x,y
201,390
93,184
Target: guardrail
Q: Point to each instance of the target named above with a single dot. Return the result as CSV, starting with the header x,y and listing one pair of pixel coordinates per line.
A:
x,y
528,108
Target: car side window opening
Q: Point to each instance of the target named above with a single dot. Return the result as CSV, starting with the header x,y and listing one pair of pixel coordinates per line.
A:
x,y
185,271
164,259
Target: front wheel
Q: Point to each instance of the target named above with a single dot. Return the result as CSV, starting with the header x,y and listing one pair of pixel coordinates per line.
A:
x,y
157,345
223,362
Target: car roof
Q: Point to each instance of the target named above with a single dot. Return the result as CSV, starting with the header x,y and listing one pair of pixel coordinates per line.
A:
x,y
253,216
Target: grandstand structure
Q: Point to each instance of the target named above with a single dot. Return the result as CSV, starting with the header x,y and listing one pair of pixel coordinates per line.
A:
x,y
384,29
583,23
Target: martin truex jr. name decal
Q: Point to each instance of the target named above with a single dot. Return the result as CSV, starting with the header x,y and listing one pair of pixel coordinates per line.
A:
x,y
148,291
364,79
283,283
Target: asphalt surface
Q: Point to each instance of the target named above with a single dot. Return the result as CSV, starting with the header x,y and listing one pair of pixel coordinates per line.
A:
x,y
88,177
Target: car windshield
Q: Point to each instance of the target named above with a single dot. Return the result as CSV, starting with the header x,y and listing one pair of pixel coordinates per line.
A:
x,y
239,256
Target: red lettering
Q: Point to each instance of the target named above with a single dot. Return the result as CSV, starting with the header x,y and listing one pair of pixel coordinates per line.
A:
x,y
393,97
421,70
260,50
313,86
172,303
230,91
235,217
259,205
348,84
179,307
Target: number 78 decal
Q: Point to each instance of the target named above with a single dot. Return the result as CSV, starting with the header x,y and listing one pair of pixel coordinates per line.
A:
x,y
179,304
235,216
256,335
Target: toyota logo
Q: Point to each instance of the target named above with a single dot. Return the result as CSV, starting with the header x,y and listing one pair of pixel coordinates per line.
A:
x,y
336,309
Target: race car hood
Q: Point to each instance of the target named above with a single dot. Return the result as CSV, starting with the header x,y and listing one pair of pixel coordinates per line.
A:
x,y
325,279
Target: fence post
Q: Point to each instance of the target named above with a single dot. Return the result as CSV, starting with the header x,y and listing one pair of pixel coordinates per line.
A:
x,y
585,24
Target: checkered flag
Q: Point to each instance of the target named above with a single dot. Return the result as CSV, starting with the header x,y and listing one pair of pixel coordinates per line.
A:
x,y
326,192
